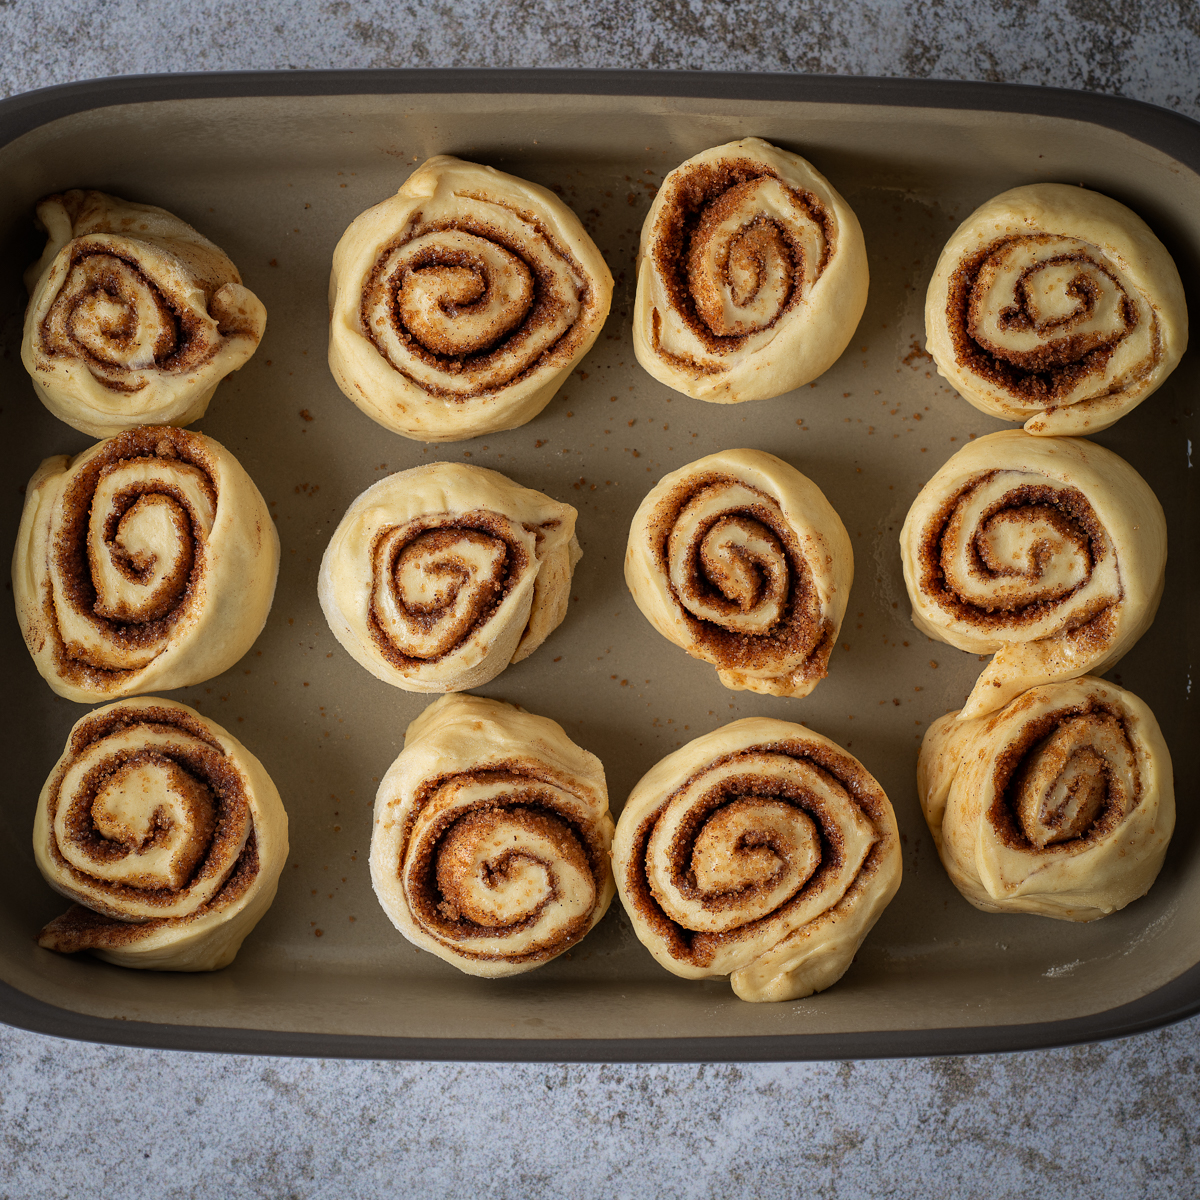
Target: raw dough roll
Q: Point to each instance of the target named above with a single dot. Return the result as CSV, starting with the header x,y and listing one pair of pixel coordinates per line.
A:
x,y
752,275
1048,552
741,560
438,577
459,306
491,840
762,851
166,831
1062,803
145,563
1055,306
133,317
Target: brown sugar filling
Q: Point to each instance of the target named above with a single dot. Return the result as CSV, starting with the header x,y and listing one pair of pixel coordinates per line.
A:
x,y
432,868
1011,771
69,558
800,632
698,200
1044,376
489,597
1065,508
539,308
700,949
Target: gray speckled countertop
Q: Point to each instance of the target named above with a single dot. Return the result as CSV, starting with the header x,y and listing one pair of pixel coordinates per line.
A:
x,y
1115,1120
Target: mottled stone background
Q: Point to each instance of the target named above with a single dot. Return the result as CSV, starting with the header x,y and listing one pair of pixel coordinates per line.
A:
x,y
1099,1122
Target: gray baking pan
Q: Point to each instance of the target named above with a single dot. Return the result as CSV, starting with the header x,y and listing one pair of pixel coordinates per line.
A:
x,y
273,167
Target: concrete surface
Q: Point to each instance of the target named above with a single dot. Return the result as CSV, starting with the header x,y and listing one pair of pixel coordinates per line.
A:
x,y
1118,1120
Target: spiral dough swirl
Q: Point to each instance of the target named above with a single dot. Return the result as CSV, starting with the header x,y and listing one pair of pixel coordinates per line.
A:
x,y
752,275
134,317
1057,307
761,851
166,832
741,560
146,562
462,303
1061,803
1049,552
491,837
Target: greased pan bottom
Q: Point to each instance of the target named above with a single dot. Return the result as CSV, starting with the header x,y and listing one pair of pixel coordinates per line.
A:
x,y
274,179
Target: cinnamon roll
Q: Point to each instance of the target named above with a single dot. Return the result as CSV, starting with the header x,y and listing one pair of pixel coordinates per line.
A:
x,y
440,576
1048,552
1061,803
752,275
762,851
145,563
459,306
133,317
1055,306
491,840
740,560
167,833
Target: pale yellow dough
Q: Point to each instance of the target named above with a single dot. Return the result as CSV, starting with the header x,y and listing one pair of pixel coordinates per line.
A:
x,y
490,846
1055,306
774,280
460,306
762,851
1061,803
199,539
133,316
410,579
179,900
739,559
1056,581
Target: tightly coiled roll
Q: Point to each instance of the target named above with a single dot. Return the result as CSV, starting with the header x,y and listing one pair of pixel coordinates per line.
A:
x,y
1062,803
741,560
490,846
440,576
1055,306
167,833
1048,552
762,851
752,275
145,563
133,317
459,306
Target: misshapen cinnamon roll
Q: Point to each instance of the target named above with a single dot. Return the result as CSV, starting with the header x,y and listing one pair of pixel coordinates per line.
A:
x,y
1048,552
1061,803
133,317
741,560
491,840
438,577
762,851
166,831
752,275
145,563
1055,306
459,306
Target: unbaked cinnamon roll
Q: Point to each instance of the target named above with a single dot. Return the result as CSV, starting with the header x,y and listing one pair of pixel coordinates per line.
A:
x,y
167,833
740,560
1048,552
752,275
1062,803
1055,306
133,317
491,840
440,576
459,306
145,563
762,851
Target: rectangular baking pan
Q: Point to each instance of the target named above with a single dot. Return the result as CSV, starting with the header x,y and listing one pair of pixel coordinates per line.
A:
x,y
273,167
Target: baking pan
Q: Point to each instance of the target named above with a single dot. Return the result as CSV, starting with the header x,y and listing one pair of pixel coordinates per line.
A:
x,y
273,167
